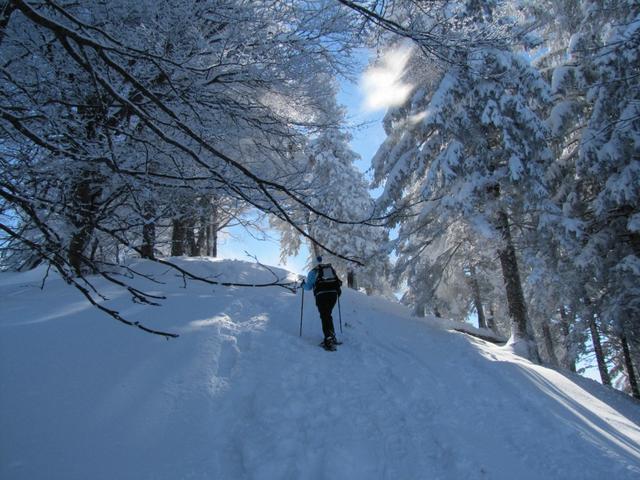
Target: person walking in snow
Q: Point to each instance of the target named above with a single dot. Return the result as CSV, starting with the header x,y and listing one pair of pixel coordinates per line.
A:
x,y
324,282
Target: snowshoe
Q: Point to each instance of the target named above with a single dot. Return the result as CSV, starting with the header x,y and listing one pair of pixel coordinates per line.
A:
x,y
328,345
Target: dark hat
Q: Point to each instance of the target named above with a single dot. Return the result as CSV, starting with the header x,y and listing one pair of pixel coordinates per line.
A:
x,y
319,259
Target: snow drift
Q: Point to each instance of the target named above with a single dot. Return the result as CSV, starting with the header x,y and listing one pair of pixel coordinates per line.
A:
x,y
241,396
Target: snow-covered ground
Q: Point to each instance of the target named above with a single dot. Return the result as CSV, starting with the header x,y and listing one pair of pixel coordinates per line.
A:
x,y
241,396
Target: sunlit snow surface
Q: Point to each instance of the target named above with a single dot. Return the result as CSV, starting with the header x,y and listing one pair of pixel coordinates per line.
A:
x,y
241,396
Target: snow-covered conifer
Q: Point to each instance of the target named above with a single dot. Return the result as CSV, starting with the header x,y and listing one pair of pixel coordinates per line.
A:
x,y
334,185
469,146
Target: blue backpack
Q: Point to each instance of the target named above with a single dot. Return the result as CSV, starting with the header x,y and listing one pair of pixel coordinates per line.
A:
x,y
327,280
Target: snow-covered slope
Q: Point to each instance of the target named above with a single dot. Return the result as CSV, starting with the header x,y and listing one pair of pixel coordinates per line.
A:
x,y
241,396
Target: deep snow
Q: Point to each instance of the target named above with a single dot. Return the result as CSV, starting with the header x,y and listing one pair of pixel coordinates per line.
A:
x,y
241,396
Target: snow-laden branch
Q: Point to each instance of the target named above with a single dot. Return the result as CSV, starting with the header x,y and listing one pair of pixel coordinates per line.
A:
x,y
74,44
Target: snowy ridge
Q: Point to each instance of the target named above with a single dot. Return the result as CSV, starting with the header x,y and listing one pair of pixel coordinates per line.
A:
x,y
240,396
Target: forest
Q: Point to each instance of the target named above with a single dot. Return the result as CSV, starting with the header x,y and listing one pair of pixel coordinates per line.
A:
x,y
509,178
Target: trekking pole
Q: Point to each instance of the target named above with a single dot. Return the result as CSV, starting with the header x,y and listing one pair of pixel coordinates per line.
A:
x,y
339,313
301,310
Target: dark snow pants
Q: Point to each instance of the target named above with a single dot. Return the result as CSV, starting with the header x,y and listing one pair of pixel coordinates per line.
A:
x,y
325,303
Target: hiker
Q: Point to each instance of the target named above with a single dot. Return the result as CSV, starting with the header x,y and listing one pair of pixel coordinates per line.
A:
x,y
326,288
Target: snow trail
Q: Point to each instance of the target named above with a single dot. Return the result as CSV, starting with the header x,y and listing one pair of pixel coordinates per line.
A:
x,y
240,395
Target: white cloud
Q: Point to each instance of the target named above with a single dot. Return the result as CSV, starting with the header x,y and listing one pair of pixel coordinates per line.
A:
x,y
382,84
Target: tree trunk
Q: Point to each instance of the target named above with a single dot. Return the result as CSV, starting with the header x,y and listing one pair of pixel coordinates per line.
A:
x,y
200,241
548,343
86,191
190,239
513,285
212,233
148,232
177,238
351,280
77,245
491,322
566,333
84,195
212,248
203,228
628,362
597,346
94,250
148,240
477,300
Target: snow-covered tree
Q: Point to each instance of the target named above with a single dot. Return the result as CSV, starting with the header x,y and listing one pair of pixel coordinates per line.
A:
x,y
449,271
334,185
114,110
597,109
469,147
